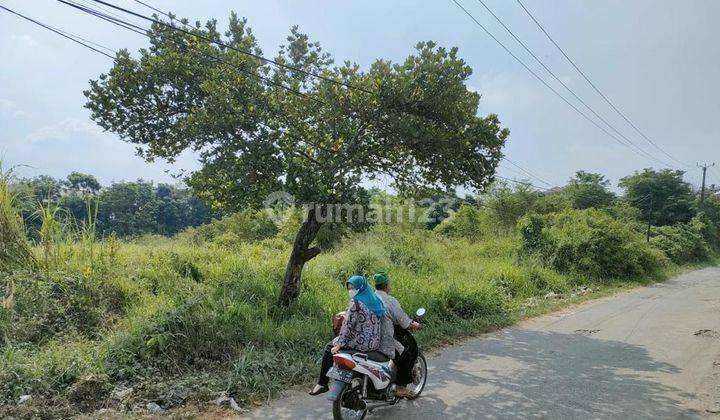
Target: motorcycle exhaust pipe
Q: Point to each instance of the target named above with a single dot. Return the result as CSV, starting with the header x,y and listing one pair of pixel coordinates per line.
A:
x,y
372,406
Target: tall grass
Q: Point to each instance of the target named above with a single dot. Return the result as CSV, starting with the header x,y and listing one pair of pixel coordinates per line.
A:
x,y
199,310
15,250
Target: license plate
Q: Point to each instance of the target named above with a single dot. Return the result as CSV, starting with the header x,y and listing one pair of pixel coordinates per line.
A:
x,y
341,375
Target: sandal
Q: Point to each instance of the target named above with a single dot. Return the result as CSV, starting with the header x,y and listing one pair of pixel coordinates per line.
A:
x,y
404,393
318,391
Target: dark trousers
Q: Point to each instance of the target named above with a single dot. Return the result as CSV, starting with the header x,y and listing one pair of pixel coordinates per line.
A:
x,y
406,360
325,365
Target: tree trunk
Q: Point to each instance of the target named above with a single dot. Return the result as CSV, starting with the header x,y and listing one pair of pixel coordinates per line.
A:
x,y
301,253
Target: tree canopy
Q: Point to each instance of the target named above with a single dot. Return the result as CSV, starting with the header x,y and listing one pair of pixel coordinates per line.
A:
x,y
586,190
661,195
83,183
124,208
261,128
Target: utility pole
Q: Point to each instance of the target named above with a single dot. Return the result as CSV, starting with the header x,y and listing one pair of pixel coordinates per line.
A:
x,y
704,169
649,219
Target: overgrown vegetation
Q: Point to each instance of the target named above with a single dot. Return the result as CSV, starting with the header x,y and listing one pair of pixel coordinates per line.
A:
x,y
123,208
99,322
14,247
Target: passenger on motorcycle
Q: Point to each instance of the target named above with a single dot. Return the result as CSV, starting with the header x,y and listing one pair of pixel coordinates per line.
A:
x,y
362,330
404,359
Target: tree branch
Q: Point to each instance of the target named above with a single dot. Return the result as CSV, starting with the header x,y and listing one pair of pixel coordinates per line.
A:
x,y
311,253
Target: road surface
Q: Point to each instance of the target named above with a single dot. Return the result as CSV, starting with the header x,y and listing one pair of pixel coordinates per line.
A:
x,y
653,352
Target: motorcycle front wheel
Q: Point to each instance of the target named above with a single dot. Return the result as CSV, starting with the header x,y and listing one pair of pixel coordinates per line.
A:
x,y
350,405
419,377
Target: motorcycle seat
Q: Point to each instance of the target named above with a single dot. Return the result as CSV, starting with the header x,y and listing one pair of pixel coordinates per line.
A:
x,y
374,356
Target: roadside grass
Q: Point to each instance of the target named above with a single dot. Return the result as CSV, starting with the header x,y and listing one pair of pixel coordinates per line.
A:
x,y
116,324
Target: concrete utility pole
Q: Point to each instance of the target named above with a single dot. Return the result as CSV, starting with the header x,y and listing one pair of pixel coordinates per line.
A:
x,y
704,169
649,218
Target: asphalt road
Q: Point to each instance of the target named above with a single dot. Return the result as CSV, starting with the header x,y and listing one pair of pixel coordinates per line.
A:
x,y
653,352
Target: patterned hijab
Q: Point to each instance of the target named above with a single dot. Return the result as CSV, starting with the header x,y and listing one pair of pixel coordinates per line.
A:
x,y
366,295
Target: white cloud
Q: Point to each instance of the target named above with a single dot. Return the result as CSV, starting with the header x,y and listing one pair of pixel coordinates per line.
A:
x,y
76,144
25,41
8,107
66,129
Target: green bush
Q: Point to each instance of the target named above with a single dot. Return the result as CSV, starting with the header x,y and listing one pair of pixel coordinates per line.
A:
x,y
464,303
45,307
165,309
508,204
467,222
682,243
590,242
244,226
708,221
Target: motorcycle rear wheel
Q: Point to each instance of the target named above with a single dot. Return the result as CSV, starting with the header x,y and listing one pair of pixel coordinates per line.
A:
x,y
342,412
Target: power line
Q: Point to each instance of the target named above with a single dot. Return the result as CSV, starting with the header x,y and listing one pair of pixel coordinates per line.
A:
x,y
249,53
572,92
105,9
152,8
64,34
143,31
119,21
299,93
587,79
69,35
525,182
593,122
172,26
527,172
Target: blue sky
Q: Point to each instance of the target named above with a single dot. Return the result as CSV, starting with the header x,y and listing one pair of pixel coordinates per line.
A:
x,y
657,60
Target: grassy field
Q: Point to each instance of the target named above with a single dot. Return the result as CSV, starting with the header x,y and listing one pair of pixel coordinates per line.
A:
x,y
158,314
89,324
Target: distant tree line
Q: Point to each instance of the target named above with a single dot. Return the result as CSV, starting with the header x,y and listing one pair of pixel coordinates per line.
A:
x,y
655,197
122,208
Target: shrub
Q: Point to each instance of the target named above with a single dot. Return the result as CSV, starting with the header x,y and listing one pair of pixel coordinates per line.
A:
x,y
468,222
468,303
508,204
552,202
406,248
244,226
59,305
590,242
682,243
709,223
164,310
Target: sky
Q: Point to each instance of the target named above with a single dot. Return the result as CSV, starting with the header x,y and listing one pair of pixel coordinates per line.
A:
x,y
657,60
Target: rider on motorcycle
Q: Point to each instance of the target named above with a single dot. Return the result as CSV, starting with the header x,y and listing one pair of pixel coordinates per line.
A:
x,y
362,329
404,359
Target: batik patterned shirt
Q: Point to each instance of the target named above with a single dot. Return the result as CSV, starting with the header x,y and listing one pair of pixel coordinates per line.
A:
x,y
361,329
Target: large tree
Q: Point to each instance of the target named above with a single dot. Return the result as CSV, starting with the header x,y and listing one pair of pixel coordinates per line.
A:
x,y
82,183
128,208
588,189
663,197
414,121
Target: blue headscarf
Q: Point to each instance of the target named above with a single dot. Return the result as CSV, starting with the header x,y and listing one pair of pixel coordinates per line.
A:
x,y
366,295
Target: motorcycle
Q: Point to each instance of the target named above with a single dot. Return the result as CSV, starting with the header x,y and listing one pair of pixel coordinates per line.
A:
x,y
362,382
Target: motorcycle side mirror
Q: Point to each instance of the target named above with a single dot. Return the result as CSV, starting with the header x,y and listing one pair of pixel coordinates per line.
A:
x,y
420,312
